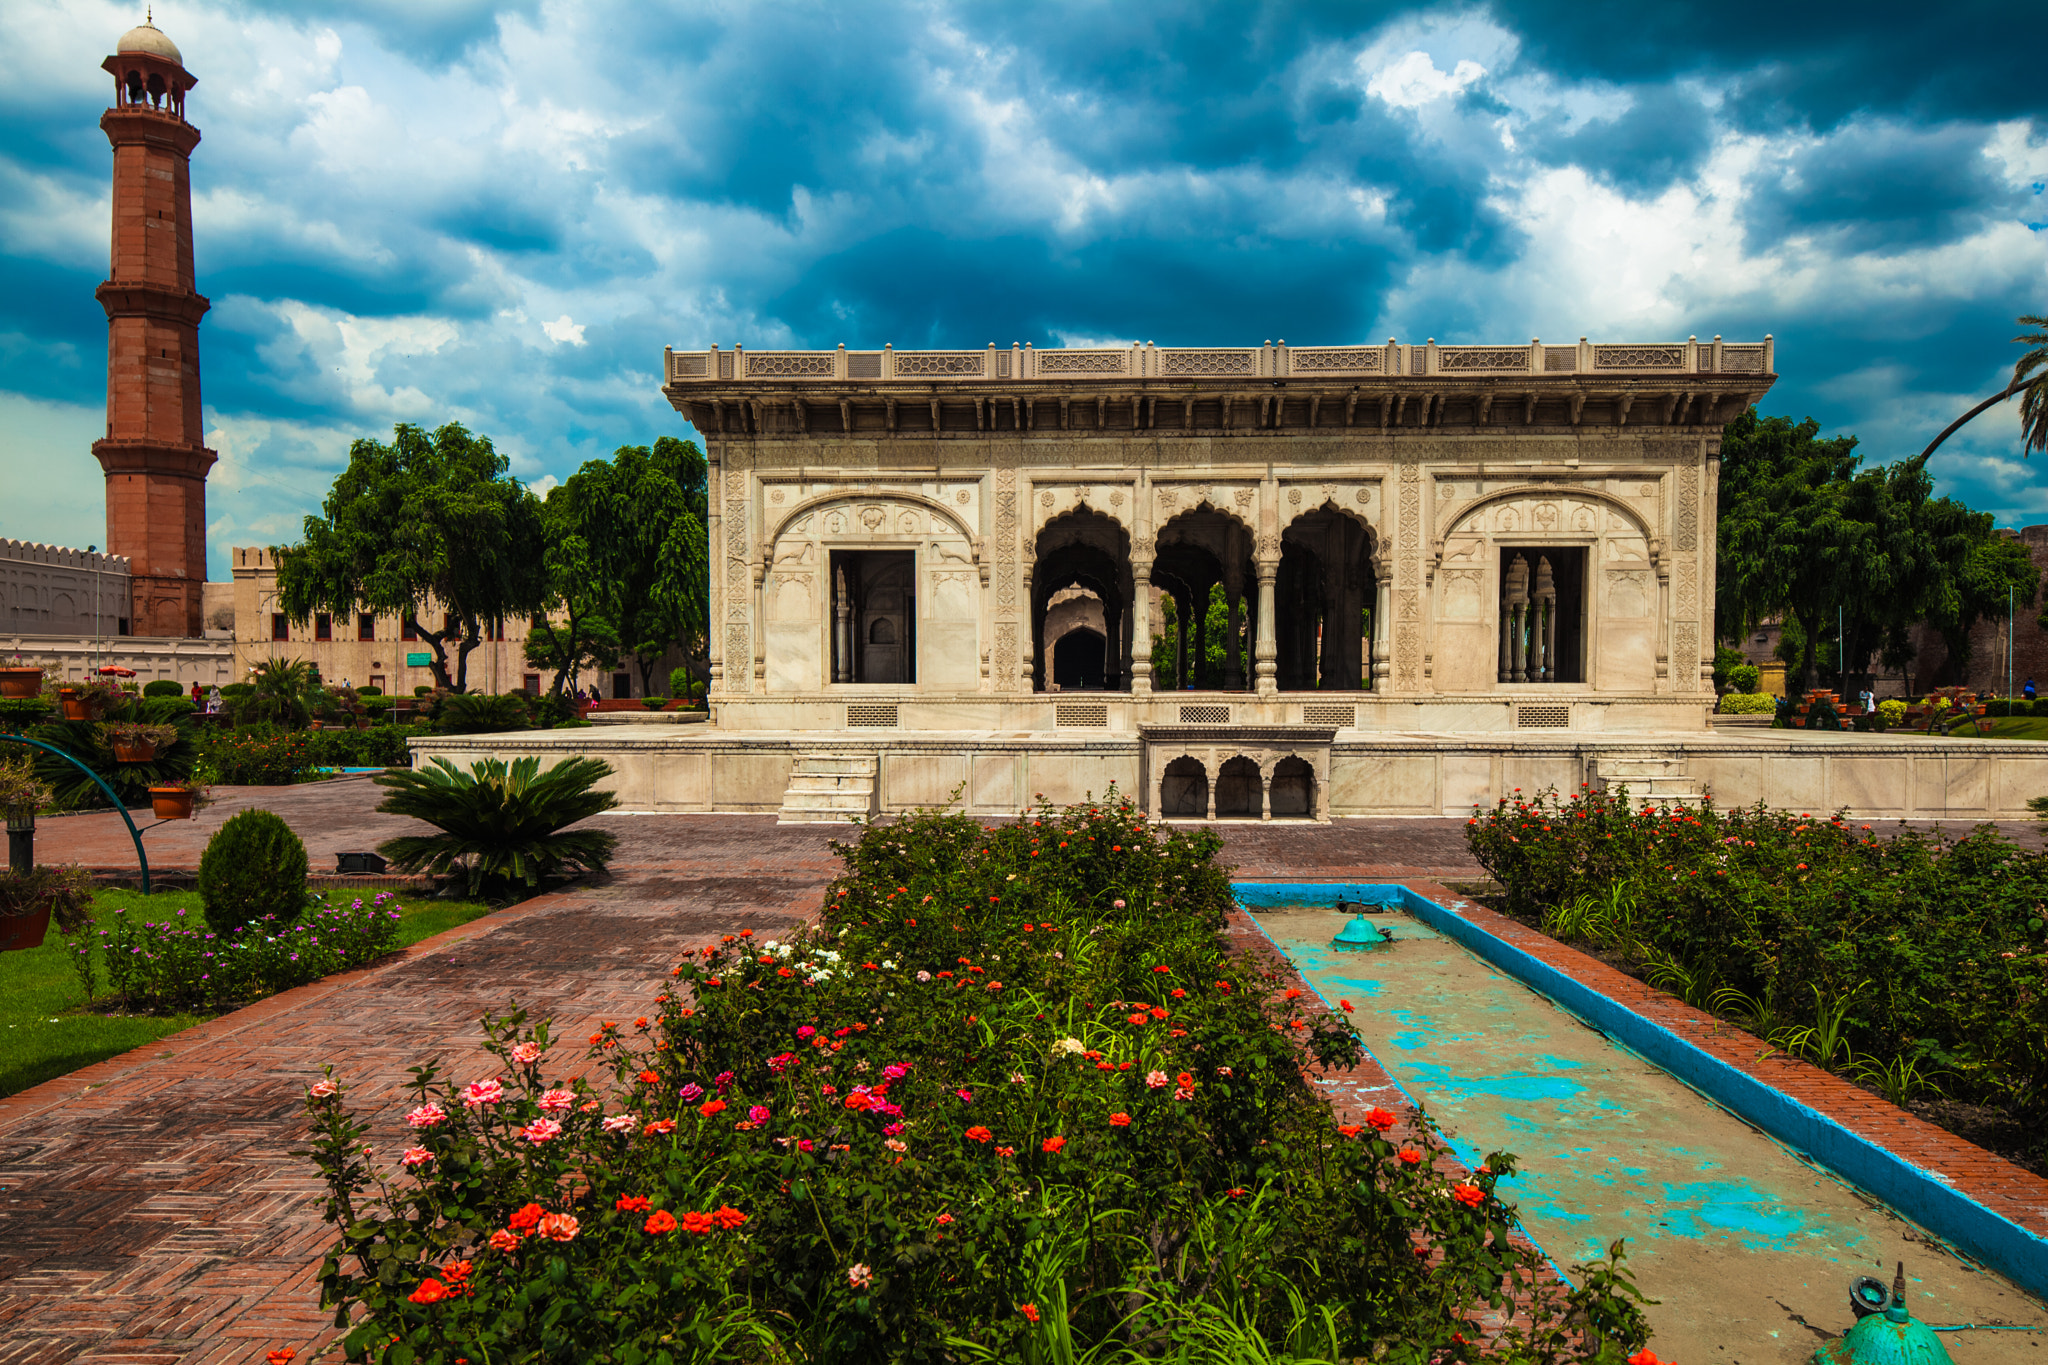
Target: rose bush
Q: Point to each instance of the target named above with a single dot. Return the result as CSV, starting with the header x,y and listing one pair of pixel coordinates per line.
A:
x,y
1007,1099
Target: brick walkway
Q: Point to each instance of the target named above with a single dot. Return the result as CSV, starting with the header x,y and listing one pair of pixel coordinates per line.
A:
x,y
149,1209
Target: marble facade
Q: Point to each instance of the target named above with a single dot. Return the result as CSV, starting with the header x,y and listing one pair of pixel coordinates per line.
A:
x,y
890,531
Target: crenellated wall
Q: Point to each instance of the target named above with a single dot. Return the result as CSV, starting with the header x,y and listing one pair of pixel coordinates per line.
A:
x,y
52,590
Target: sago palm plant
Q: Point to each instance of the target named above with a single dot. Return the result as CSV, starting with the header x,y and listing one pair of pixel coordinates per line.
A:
x,y
501,825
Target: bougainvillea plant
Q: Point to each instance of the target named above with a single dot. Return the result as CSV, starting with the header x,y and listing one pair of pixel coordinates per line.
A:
x,y
1006,1099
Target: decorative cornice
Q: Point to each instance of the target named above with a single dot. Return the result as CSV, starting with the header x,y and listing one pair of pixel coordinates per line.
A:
x,y
128,299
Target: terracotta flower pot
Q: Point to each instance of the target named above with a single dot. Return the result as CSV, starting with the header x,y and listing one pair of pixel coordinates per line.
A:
x,y
19,932
134,751
19,683
171,803
76,706
316,724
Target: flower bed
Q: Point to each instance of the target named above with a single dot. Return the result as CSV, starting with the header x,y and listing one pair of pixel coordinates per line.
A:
x,y
1916,965
177,963
260,755
1007,1100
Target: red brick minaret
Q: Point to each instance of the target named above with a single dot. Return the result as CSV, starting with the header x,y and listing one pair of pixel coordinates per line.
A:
x,y
154,456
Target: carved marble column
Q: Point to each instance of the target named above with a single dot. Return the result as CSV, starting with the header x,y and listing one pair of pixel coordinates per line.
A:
x,y
842,613
1138,652
1382,622
1266,654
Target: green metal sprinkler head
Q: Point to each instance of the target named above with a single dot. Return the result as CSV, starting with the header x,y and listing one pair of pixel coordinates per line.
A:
x,y
1888,1338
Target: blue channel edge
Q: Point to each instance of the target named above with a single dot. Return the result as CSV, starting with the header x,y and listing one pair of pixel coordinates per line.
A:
x,y
1918,1194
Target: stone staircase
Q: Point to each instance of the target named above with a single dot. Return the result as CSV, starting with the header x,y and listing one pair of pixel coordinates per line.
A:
x,y
827,788
1652,779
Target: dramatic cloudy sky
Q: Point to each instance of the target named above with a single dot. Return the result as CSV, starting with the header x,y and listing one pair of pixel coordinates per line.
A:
x,y
423,210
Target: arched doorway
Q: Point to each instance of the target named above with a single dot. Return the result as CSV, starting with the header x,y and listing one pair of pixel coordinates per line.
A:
x,y
1078,659
1082,579
1184,789
1294,790
1323,599
1237,788
1204,641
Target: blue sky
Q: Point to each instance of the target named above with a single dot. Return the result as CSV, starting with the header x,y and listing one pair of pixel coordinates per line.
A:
x,y
424,210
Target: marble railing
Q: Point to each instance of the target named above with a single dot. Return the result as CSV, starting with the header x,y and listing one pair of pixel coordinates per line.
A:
x,y
1219,364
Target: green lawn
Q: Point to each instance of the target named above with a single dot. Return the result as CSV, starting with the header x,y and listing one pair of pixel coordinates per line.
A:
x,y
2011,727
45,1029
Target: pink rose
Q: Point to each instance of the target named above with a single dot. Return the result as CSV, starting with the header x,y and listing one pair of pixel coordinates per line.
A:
x,y
758,1114
805,1032
1156,1079
427,1115
540,1130
560,1227
483,1092
417,1156
557,1101
619,1123
526,1054
325,1090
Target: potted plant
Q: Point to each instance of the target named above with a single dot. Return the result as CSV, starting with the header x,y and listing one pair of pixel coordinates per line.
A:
x,y
175,800
20,680
29,899
133,742
86,700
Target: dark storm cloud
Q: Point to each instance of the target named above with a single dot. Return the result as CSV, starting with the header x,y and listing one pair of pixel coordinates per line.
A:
x,y
412,211
1884,186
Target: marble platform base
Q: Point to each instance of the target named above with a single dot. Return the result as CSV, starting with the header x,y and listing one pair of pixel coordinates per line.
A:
x,y
1356,772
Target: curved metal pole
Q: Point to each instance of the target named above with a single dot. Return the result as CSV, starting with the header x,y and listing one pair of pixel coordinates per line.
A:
x,y
1957,425
99,782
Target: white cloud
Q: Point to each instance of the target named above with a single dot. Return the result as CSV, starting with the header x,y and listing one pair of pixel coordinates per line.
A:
x,y
1414,80
562,329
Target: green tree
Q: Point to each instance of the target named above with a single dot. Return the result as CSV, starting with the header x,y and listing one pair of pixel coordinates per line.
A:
x,y
627,561
428,519
1807,534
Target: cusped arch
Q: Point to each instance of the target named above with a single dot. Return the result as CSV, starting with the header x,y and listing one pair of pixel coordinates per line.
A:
x,y
1355,514
1047,519
1079,515
1209,505
894,497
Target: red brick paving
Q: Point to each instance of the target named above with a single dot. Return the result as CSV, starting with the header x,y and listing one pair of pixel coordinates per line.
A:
x,y
150,1211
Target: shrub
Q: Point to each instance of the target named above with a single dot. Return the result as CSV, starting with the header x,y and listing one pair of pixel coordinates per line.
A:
x,y
232,691
475,713
174,964
682,683
278,692
984,1080
654,703
255,756
380,746
1745,677
163,687
1893,711
165,710
367,691
422,690
504,824
254,868
1917,949
1747,704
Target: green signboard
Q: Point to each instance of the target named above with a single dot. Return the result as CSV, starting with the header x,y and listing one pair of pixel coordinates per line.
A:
x,y
418,660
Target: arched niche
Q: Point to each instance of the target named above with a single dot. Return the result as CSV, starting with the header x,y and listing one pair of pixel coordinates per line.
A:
x,y
1200,549
842,564
1597,549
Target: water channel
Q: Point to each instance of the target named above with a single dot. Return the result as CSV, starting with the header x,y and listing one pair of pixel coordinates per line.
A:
x,y
1749,1248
